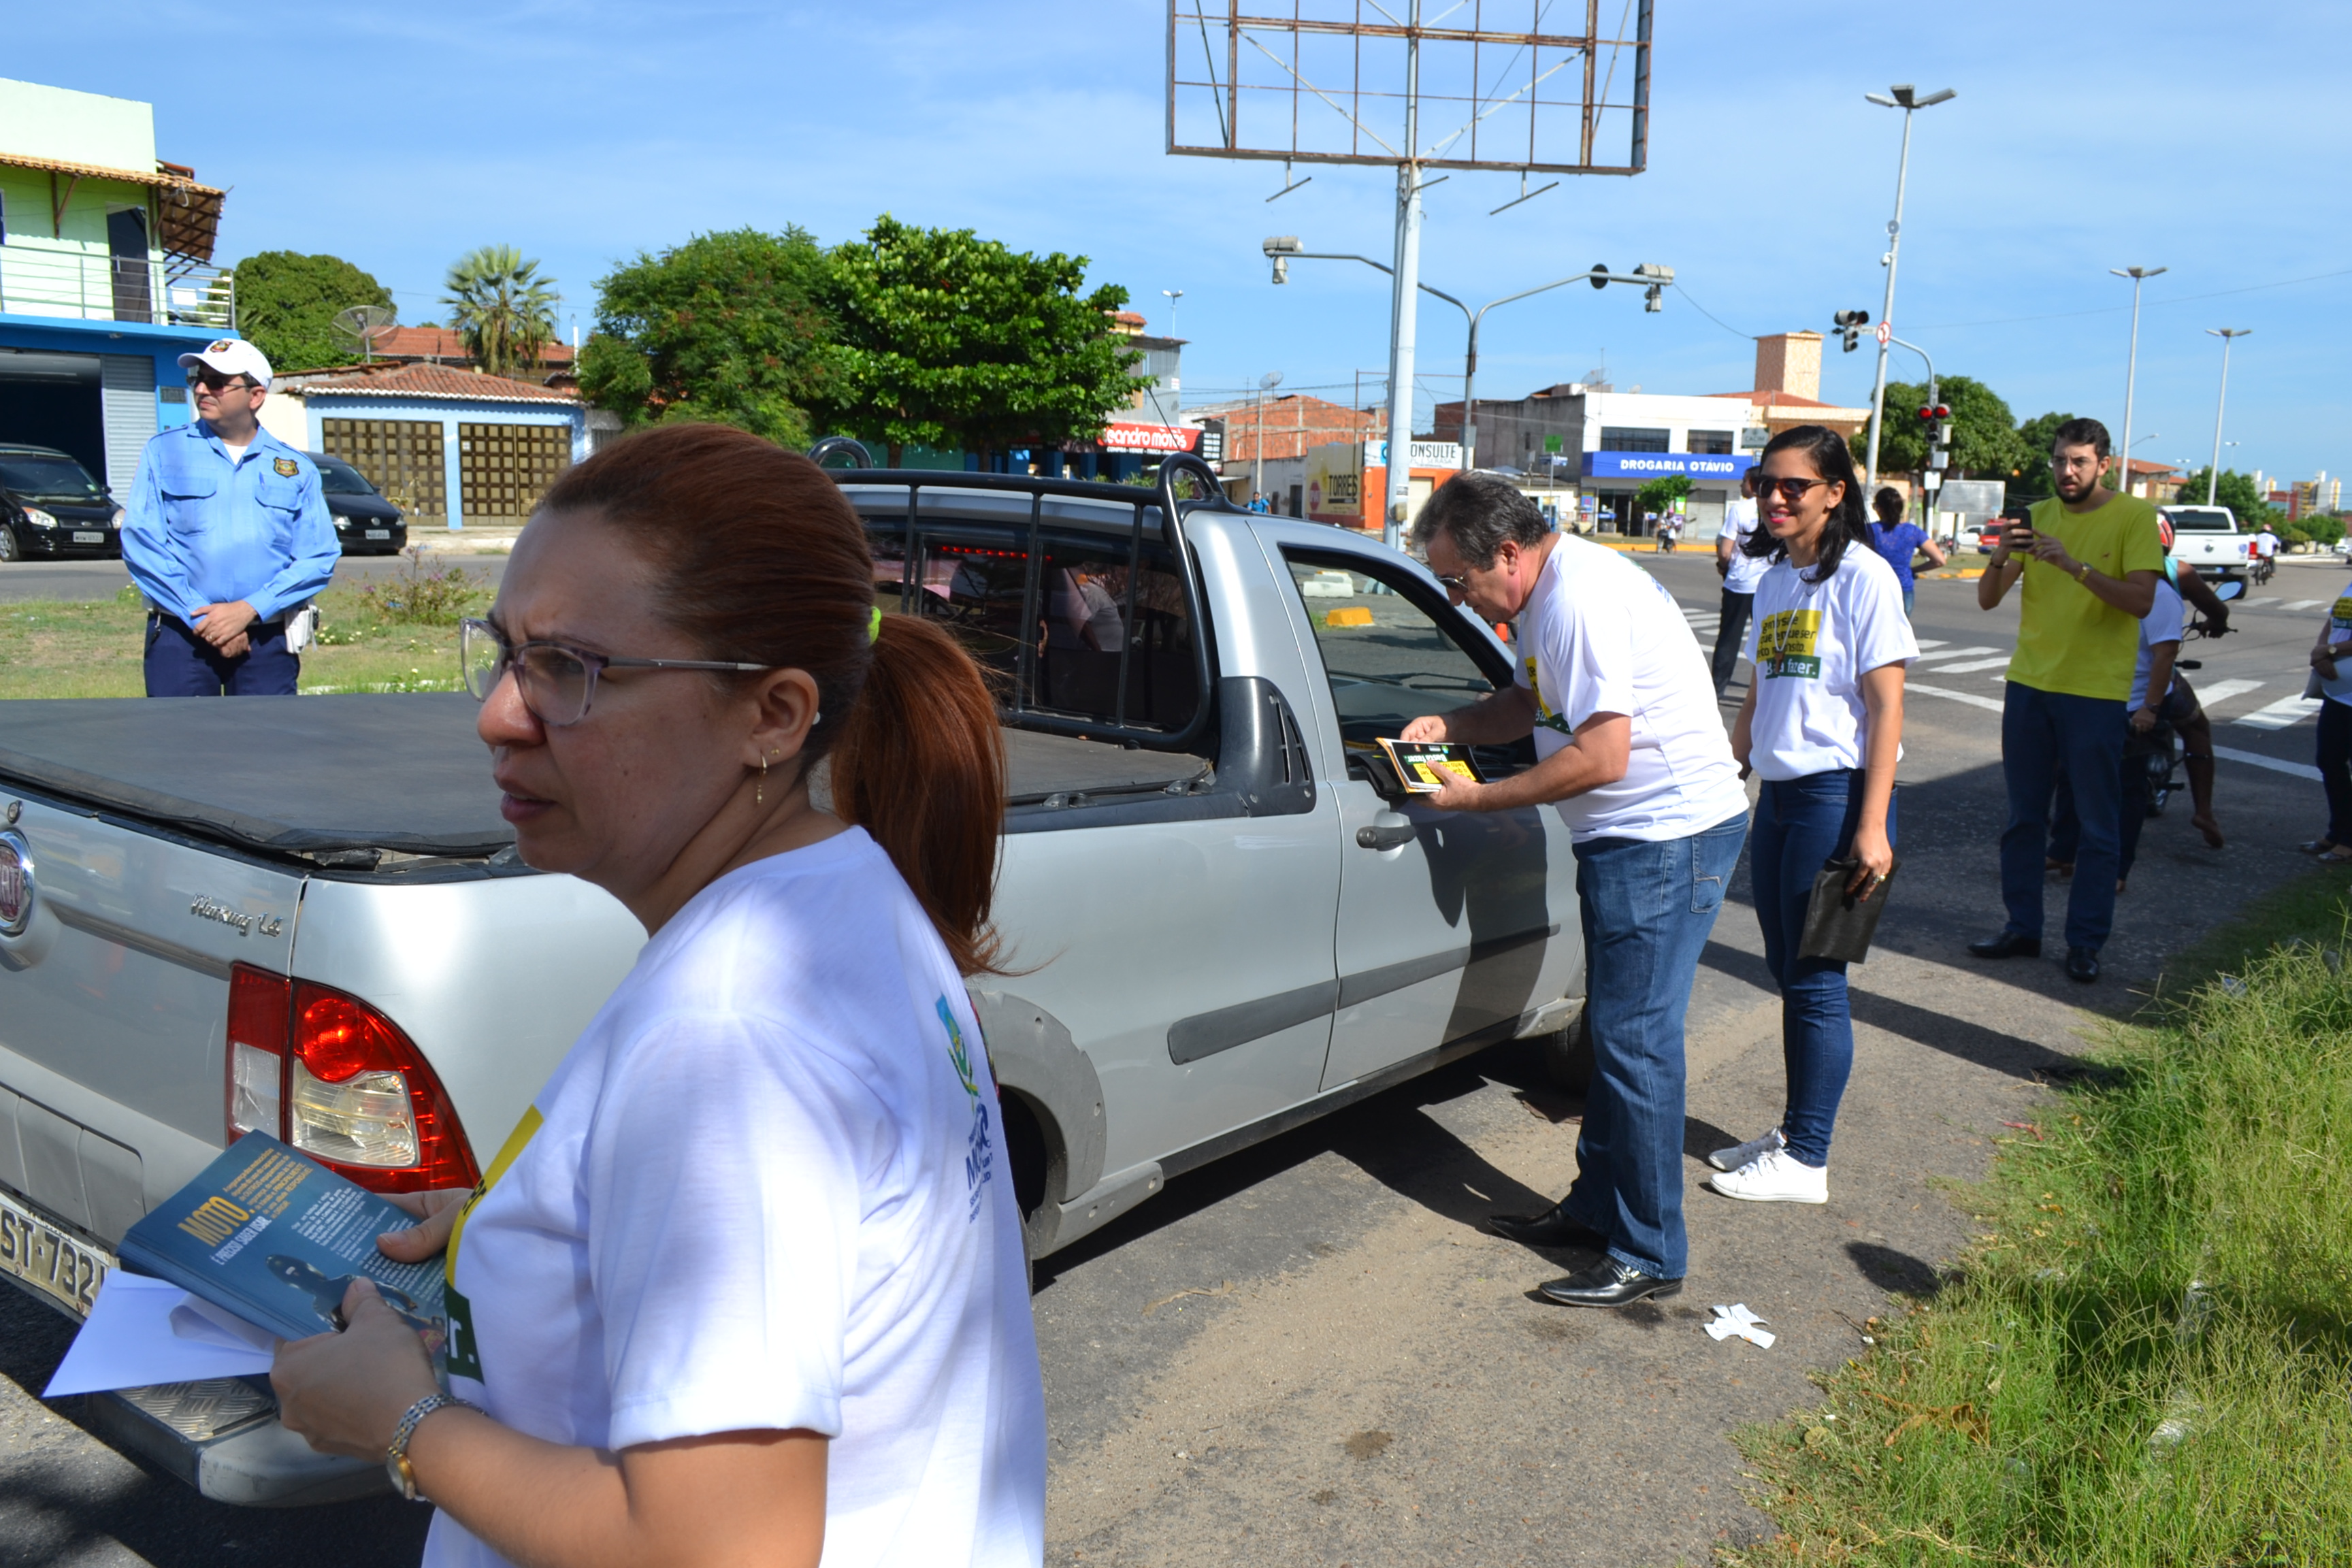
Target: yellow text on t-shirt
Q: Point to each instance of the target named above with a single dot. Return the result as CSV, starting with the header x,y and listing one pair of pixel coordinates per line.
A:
x,y
1789,644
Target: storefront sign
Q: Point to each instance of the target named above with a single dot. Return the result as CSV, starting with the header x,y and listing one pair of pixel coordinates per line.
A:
x,y
1335,483
1150,437
1660,465
1425,453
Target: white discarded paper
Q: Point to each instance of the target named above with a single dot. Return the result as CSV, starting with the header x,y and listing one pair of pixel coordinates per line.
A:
x,y
131,1340
1739,1319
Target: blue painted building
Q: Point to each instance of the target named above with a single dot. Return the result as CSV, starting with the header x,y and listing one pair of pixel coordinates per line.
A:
x,y
106,277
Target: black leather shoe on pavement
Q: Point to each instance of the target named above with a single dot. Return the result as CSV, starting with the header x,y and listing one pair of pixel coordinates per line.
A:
x,y
2007,944
2083,963
1550,1229
1606,1283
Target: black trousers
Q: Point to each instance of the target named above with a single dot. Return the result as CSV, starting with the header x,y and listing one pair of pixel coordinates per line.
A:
x,y
2335,768
1729,631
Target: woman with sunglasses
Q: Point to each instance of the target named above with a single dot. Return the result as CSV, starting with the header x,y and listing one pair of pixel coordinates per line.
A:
x,y
746,1283
1822,723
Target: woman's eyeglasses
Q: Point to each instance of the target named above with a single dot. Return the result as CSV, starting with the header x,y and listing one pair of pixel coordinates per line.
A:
x,y
1792,491
556,683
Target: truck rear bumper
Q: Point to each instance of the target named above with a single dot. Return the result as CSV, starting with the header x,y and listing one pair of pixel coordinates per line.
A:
x,y
248,1459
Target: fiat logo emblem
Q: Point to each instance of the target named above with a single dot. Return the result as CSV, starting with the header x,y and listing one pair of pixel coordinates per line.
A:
x,y
16,884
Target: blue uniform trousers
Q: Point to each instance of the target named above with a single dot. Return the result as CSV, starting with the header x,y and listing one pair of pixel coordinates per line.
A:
x,y
181,664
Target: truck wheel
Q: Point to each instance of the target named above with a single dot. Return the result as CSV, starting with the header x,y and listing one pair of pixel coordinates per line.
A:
x,y
1036,1172
1568,1055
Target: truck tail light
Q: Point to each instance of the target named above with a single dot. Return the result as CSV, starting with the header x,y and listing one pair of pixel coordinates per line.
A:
x,y
336,1079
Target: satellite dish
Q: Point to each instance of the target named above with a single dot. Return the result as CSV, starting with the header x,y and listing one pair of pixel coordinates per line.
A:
x,y
361,323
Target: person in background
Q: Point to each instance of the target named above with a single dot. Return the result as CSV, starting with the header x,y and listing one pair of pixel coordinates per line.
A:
x,y
2334,847
1258,504
1631,751
1897,542
1822,723
2266,549
746,1284
1741,571
2091,562
226,532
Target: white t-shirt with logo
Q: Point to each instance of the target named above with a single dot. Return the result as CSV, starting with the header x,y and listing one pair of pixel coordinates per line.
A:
x,y
2339,629
1812,644
1739,522
2161,624
1599,635
766,1189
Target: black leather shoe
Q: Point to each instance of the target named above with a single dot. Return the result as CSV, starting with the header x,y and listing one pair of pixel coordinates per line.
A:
x,y
2007,944
2083,963
1606,1283
1550,1229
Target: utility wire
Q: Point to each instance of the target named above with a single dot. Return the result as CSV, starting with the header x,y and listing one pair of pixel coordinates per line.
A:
x,y
1710,315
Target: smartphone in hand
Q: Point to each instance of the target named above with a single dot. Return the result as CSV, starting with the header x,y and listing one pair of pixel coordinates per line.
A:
x,y
2021,536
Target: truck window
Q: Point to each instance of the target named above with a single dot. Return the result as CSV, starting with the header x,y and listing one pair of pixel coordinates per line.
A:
x,y
1389,658
1059,636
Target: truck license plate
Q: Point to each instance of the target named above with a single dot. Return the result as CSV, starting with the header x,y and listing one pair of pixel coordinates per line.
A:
x,y
379,533
63,1268
91,538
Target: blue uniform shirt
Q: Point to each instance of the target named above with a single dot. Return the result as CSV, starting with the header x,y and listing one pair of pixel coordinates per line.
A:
x,y
202,528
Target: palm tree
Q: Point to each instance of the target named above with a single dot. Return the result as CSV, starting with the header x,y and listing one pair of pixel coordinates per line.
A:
x,y
503,308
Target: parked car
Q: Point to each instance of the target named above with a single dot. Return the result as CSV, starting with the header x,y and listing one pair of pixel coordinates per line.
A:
x,y
365,523
1224,916
49,506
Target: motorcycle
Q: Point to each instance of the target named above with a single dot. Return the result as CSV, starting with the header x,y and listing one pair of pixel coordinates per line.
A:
x,y
2159,749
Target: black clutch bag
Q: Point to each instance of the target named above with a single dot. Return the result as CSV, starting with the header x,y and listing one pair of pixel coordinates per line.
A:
x,y
1838,926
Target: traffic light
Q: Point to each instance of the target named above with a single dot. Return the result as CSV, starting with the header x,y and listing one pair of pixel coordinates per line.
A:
x,y
1850,324
1937,417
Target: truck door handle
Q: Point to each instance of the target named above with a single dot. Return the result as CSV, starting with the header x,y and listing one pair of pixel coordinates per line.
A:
x,y
1385,836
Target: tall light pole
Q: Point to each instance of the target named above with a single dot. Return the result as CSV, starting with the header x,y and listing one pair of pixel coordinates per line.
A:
x,y
2213,474
1265,384
1173,295
2138,275
1904,97
1404,296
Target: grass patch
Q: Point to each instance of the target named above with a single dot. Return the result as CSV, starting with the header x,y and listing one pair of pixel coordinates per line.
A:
x,y
2145,1358
366,643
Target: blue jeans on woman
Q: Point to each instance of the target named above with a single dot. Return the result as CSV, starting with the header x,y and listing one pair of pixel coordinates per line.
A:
x,y
1647,906
1800,824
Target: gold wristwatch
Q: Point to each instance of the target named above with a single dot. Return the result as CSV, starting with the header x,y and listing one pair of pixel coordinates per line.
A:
x,y
395,1458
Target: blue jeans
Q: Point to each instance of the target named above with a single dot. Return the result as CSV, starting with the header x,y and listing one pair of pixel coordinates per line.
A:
x,y
2041,733
1907,592
1647,907
1800,824
181,664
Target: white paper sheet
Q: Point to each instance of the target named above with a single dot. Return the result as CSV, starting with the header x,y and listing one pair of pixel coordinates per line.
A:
x,y
129,1341
1737,1320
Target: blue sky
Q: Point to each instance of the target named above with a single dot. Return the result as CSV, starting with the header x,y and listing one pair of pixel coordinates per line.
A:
x,y
2207,140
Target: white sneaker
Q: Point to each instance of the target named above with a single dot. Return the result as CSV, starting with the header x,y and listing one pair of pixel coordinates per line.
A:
x,y
1732,1159
1775,1177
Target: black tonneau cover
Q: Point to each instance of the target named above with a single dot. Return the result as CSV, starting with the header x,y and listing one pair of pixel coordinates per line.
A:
x,y
318,775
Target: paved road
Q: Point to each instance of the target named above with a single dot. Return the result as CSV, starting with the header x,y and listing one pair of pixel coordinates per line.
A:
x,y
21,580
1312,1352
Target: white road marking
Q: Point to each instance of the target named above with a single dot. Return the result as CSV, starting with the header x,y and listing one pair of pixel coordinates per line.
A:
x,y
1970,698
1962,653
1971,666
2223,691
2286,711
2255,759
1927,643
2304,605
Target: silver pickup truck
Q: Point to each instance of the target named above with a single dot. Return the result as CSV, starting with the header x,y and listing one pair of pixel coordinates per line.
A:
x,y
305,914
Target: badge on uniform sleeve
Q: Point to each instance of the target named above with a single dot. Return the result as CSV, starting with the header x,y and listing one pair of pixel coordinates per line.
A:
x,y
285,467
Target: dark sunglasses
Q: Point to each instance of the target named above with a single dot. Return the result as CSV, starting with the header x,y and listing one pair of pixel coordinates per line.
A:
x,y
213,381
1454,584
1792,491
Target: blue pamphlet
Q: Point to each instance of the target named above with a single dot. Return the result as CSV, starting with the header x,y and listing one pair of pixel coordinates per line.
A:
x,y
276,1238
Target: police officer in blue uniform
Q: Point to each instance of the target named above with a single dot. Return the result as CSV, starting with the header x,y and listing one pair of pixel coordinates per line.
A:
x,y
226,532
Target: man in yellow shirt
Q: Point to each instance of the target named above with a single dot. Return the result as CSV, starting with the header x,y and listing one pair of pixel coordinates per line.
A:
x,y
2090,559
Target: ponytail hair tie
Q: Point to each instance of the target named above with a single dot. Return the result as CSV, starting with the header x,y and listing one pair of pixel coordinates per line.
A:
x,y
874,625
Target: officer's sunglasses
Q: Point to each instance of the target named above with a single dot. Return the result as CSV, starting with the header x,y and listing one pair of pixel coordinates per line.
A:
x,y
556,682
213,381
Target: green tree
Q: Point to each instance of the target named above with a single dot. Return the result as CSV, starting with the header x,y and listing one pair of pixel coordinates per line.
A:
x,y
947,339
286,303
725,328
502,307
1984,433
2235,491
1661,493
2030,479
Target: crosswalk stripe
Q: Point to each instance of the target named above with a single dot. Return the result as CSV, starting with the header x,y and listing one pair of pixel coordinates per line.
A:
x,y
1961,653
2223,691
2286,711
1969,666
2300,770
2304,605
1970,698
1927,643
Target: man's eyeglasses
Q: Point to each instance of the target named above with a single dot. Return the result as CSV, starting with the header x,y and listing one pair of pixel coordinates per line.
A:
x,y
213,381
1792,489
556,683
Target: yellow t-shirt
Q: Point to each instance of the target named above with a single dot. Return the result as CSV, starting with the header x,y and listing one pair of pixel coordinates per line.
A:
x,y
2068,638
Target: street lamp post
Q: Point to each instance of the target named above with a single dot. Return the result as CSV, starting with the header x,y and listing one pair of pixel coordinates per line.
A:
x,y
2138,275
1265,384
1173,295
2213,474
1902,97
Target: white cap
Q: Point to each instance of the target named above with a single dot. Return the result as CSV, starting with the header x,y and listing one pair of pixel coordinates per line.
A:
x,y
232,356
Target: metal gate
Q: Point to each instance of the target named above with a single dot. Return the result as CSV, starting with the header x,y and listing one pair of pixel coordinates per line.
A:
x,y
402,458
504,468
